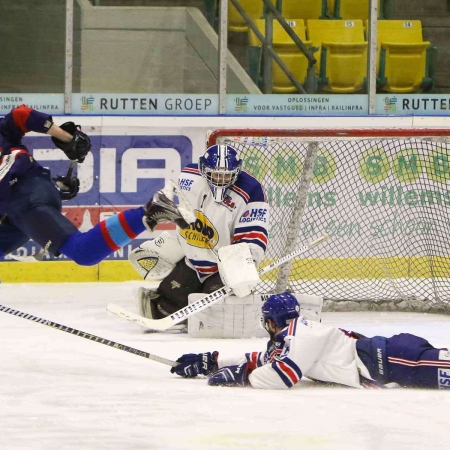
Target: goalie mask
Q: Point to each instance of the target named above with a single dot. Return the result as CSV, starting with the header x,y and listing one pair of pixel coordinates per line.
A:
x,y
280,308
220,166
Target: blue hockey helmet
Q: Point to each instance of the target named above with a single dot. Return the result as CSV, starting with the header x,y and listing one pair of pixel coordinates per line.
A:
x,y
220,166
280,308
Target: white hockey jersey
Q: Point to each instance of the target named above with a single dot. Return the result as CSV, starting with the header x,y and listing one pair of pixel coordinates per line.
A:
x,y
243,216
304,348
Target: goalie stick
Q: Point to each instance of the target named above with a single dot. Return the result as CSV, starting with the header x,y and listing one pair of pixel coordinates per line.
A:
x,y
90,337
205,302
184,206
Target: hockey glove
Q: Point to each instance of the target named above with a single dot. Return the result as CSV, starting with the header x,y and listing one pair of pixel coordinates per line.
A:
x,y
68,187
78,147
230,376
162,209
191,364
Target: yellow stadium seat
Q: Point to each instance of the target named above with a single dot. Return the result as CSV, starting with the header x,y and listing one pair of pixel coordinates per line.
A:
x,y
254,8
402,56
342,57
354,9
306,9
287,50
281,40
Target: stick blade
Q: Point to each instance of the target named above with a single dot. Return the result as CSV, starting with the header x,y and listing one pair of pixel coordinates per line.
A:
x,y
320,239
150,324
36,257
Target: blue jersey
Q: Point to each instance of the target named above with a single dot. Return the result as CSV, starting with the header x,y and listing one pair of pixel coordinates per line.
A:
x,y
15,160
33,204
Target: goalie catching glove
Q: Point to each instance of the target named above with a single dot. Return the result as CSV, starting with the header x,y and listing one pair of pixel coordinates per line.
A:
x,y
78,147
190,365
161,209
237,268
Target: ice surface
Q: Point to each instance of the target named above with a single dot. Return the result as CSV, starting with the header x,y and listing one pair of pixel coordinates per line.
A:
x,y
59,391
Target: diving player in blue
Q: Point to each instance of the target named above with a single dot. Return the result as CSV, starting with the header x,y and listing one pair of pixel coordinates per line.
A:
x,y
31,201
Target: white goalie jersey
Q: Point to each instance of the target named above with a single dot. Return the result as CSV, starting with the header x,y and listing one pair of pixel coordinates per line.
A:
x,y
243,216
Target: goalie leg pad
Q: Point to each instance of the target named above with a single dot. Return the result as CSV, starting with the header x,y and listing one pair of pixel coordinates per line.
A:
x,y
310,306
240,317
156,258
231,318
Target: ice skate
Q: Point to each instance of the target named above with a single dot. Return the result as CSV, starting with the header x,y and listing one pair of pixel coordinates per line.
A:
x,y
147,300
147,307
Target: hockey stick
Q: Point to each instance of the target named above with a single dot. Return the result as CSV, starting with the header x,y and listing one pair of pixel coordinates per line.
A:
x,y
90,337
72,166
35,257
39,255
184,206
205,302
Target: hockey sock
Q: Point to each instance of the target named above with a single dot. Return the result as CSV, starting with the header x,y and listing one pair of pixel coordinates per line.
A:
x,y
91,247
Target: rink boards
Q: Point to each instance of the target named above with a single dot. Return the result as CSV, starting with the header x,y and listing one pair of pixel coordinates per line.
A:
x,y
318,268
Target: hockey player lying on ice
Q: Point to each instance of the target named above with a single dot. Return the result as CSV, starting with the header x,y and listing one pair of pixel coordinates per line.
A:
x,y
299,347
30,199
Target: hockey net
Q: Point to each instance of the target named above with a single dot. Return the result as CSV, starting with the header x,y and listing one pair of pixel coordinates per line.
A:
x,y
383,197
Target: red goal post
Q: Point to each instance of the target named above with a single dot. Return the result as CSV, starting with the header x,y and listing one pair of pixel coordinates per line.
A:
x,y
383,195
215,136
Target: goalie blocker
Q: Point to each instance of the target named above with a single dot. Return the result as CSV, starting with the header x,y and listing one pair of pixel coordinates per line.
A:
x,y
235,318
237,268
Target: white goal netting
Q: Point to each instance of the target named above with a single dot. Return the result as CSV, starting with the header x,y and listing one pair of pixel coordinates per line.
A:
x,y
382,196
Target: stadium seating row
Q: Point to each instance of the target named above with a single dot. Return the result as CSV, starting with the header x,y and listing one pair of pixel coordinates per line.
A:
x,y
340,48
302,9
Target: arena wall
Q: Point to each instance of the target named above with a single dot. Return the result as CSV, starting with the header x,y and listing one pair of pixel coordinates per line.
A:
x,y
131,158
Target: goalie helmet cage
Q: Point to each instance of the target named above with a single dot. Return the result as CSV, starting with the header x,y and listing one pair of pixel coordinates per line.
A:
x,y
381,194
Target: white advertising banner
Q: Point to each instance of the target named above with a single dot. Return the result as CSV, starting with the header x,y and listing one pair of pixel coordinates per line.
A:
x,y
236,105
